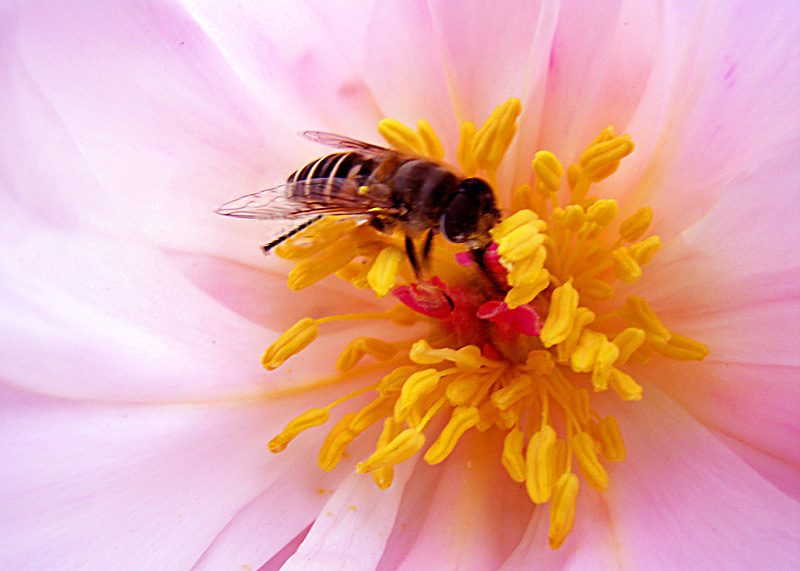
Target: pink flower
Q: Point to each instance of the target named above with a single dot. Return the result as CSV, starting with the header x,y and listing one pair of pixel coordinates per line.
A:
x,y
135,412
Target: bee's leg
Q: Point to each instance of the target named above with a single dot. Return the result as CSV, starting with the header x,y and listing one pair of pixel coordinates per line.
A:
x,y
412,256
426,249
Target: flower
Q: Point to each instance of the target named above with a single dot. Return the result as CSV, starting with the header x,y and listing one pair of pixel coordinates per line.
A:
x,y
135,411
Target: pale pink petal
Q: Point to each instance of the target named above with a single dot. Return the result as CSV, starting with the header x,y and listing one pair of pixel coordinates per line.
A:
x,y
754,406
354,525
289,55
151,111
300,492
682,499
598,67
586,547
723,94
481,510
152,484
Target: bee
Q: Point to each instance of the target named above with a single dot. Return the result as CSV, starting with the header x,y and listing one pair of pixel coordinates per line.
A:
x,y
387,188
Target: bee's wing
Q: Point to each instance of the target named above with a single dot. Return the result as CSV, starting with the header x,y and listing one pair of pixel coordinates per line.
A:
x,y
341,142
307,198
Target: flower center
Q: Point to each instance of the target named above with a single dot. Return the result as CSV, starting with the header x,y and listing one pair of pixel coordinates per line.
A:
x,y
516,341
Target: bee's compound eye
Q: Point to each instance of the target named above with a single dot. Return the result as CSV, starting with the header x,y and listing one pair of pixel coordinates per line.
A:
x,y
460,219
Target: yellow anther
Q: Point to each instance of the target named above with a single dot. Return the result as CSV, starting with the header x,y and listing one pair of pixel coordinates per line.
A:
x,y
402,315
595,288
315,238
469,357
487,414
539,465
591,468
310,418
336,442
644,251
526,292
296,338
583,317
507,418
582,359
513,458
382,274
520,243
422,353
601,370
527,270
400,137
628,341
383,477
522,198
548,172
574,217
521,387
392,383
377,410
582,408
611,439
462,419
602,159
398,449
624,385
430,141
637,312
574,172
416,386
361,346
602,212
463,388
682,348
636,225
561,317
517,220
310,270
625,267
562,509
494,137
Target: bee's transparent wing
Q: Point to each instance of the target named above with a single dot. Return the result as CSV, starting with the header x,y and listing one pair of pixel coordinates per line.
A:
x,y
341,142
308,198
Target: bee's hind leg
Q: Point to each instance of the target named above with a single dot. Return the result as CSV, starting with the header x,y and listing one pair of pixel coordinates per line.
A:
x,y
412,257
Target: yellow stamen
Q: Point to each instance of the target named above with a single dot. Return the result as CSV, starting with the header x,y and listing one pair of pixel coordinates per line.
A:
x,y
297,337
591,468
548,173
562,509
463,418
383,273
611,439
625,267
398,449
539,462
485,374
561,317
312,417
634,227
513,459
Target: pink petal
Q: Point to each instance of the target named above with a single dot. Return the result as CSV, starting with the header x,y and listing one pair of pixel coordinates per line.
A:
x,y
470,517
752,406
722,96
353,526
683,499
96,482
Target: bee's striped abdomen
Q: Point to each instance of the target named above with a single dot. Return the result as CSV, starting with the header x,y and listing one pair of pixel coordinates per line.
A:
x,y
352,166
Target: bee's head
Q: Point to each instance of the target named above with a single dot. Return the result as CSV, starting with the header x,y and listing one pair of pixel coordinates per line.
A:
x,y
470,214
